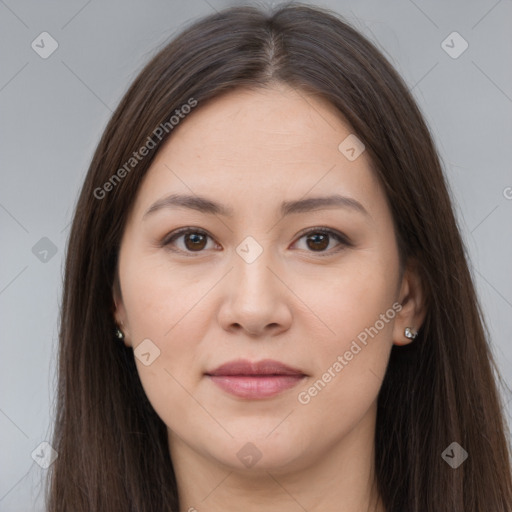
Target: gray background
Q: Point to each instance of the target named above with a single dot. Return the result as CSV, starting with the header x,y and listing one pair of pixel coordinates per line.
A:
x,y
54,110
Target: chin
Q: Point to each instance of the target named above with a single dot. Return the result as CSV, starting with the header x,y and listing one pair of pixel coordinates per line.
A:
x,y
255,451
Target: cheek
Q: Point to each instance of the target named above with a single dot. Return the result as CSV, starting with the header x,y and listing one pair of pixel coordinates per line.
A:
x,y
351,298
349,371
176,324
168,308
351,362
160,298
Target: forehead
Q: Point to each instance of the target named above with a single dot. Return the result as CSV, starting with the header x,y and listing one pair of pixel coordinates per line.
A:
x,y
266,122
268,143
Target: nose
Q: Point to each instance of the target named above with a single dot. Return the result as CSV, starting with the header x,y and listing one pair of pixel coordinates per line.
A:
x,y
255,300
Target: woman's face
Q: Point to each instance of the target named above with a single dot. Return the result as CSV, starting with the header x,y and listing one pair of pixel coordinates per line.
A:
x,y
262,275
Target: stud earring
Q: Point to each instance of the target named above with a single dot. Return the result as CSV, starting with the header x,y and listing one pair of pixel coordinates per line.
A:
x,y
410,333
119,333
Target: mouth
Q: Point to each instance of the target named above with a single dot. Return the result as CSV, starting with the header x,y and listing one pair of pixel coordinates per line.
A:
x,y
257,380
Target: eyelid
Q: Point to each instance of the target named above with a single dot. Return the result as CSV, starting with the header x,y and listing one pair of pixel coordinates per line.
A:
x,y
173,235
324,229
343,240
334,233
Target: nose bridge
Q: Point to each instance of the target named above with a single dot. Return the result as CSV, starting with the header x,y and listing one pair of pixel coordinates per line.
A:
x,y
251,273
254,299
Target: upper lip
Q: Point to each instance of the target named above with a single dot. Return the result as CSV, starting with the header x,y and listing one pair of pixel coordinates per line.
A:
x,y
245,367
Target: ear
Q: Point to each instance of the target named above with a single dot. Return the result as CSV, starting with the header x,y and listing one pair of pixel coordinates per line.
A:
x,y
413,300
120,312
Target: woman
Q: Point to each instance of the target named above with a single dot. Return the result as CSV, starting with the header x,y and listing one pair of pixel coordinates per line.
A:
x,y
267,302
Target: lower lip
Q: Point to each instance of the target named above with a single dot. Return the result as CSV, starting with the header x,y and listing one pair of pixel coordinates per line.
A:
x,y
256,387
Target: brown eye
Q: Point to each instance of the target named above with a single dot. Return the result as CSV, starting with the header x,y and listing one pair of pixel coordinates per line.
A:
x,y
195,241
187,241
318,241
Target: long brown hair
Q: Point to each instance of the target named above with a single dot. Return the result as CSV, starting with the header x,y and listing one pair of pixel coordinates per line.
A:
x,y
442,388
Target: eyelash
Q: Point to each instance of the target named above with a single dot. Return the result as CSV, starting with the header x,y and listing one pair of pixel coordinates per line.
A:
x,y
340,237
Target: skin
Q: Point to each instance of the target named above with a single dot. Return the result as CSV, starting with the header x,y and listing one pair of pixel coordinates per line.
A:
x,y
250,150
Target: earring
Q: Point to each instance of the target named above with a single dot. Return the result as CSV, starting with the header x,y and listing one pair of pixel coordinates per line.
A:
x,y
119,333
410,333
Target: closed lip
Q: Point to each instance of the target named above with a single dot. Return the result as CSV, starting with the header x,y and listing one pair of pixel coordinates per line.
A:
x,y
243,367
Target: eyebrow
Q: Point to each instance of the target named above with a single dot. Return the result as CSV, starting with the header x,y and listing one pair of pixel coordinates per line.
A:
x,y
208,206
